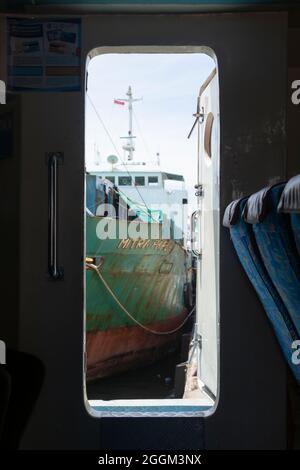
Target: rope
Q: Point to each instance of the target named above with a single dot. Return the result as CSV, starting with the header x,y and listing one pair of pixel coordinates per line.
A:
x,y
95,268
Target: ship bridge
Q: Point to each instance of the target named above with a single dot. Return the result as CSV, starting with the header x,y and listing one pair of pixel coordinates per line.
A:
x,y
158,191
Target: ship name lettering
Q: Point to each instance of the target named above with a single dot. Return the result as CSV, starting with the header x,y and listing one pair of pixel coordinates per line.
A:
x,y
161,244
125,243
143,243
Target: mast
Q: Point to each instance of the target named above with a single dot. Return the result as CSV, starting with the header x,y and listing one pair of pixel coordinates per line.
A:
x,y
129,146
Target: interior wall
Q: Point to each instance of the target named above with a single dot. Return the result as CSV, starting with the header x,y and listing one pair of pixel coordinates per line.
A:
x,y
252,156
251,412
10,224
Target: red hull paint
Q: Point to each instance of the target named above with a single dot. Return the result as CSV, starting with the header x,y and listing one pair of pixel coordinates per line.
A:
x,y
118,349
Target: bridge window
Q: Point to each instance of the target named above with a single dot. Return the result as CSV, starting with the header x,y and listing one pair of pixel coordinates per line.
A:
x,y
140,180
153,180
125,180
112,179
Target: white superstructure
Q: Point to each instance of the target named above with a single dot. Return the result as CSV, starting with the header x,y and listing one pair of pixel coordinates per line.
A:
x,y
146,185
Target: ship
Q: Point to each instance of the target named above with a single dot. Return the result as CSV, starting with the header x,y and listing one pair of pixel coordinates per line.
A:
x,y
138,270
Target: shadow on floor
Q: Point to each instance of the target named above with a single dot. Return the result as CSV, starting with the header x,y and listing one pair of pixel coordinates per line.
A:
x,y
150,382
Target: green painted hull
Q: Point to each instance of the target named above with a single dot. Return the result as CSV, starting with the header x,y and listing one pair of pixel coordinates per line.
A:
x,y
147,277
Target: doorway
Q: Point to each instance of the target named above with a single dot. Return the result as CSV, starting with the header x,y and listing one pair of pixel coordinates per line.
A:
x,y
142,304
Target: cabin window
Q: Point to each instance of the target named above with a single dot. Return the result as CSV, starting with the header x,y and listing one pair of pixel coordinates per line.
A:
x,y
125,180
139,180
112,179
153,180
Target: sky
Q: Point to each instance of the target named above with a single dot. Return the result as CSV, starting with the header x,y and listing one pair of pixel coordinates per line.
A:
x,y
168,85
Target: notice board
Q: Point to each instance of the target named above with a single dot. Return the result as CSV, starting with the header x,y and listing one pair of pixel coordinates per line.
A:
x,y
44,54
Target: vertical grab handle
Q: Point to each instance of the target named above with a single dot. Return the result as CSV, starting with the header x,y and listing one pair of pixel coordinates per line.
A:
x,y
54,270
195,235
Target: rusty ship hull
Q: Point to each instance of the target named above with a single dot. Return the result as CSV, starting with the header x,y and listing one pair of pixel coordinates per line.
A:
x,y
134,299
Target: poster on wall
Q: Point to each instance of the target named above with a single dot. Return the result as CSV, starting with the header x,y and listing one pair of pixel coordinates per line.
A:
x,y
44,55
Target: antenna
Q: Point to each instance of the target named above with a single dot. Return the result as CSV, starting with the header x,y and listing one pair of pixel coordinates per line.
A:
x,y
158,159
96,154
112,159
129,146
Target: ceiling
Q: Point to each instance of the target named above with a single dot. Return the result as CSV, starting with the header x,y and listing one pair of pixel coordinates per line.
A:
x,y
142,5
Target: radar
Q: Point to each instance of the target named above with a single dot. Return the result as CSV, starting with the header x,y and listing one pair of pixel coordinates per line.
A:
x,y
112,159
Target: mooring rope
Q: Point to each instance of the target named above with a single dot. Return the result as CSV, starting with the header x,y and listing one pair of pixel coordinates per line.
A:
x,y
95,268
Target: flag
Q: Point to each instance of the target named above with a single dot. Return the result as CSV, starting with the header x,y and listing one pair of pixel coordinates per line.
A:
x,y
119,102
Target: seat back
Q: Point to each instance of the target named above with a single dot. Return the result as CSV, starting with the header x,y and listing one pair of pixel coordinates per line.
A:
x,y
290,204
247,250
276,244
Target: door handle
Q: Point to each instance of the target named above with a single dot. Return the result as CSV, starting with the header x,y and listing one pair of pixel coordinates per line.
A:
x,y
55,271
